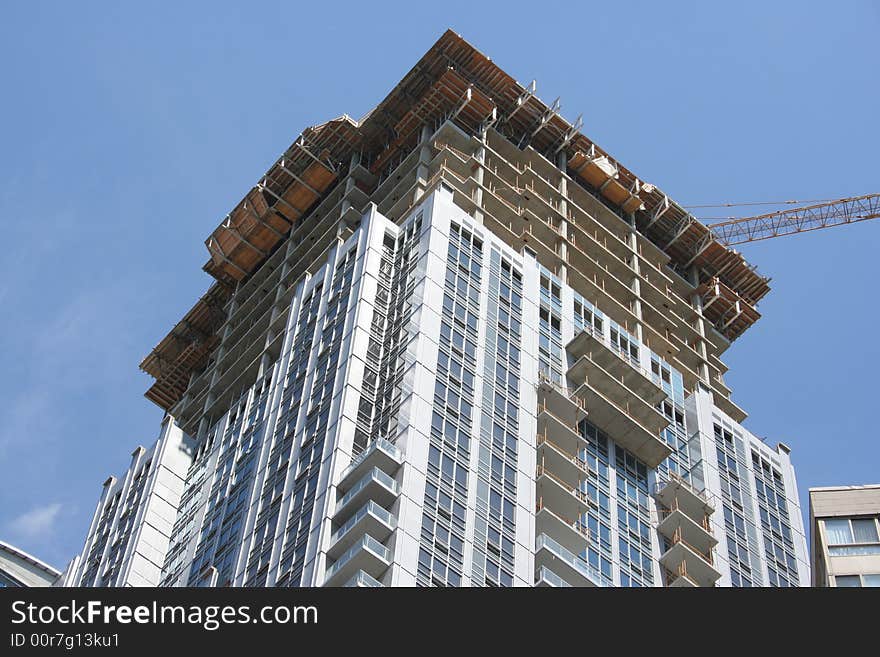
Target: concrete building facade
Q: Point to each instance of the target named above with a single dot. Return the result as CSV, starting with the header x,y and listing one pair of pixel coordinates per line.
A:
x,y
845,528
457,344
20,569
450,476
128,537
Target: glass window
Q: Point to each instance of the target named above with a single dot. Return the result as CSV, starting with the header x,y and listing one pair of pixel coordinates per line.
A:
x,y
871,580
847,581
864,530
837,531
853,550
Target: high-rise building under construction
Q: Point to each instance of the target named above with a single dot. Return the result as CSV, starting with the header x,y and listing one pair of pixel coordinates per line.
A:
x,y
457,343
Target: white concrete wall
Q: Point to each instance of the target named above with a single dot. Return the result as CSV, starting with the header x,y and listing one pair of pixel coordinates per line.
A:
x,y
24,569
145,543
701,416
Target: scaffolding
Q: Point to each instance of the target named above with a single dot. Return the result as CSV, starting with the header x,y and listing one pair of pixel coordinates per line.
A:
x,y
186,348
726,309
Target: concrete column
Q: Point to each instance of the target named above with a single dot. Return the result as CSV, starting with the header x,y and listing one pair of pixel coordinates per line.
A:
x,y
185,400
203,428
288,252
562,163
265,360
221,351
480,156
635,283
422,168
697,303
349,185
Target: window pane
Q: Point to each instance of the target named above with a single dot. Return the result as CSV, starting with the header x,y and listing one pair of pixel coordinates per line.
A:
x,y
864,530
871,580
847,581
837,531
854,550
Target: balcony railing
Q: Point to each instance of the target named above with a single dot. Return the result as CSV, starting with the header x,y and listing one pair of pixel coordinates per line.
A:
x,y
541,471
562,401
673,490
677,538
576,525
550,578
573,458
373,475
366,542
363,580
576,563
621,352
680,574
675,478
370,508
379,444
665,511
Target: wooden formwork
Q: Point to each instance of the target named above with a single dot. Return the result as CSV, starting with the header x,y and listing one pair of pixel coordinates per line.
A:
x,y
186,348
263,218
731,314
602,174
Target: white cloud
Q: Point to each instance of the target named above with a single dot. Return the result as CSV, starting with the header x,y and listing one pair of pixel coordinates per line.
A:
x,y
36,523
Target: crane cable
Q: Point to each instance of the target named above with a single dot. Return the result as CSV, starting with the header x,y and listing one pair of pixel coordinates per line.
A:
x,y
731,205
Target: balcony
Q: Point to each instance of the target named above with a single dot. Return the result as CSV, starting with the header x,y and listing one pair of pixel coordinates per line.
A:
x,y
378,454
676,492
554,400
570,534
675,523
727,405
374,485
546,578
565,436
584,369
563,498
367,555
363,581
679,578
689,561
628,420
371,519
591,351
551,555
563,463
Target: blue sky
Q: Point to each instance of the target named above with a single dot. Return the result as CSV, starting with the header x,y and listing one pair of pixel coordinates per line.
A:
x,y
128,132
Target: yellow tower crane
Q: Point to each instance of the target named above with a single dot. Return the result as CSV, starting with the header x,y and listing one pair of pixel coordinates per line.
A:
x,y
825,214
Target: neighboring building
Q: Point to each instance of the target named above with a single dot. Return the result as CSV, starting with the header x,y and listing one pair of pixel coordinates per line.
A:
x,y
845,529
128,537
18,568
455,343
